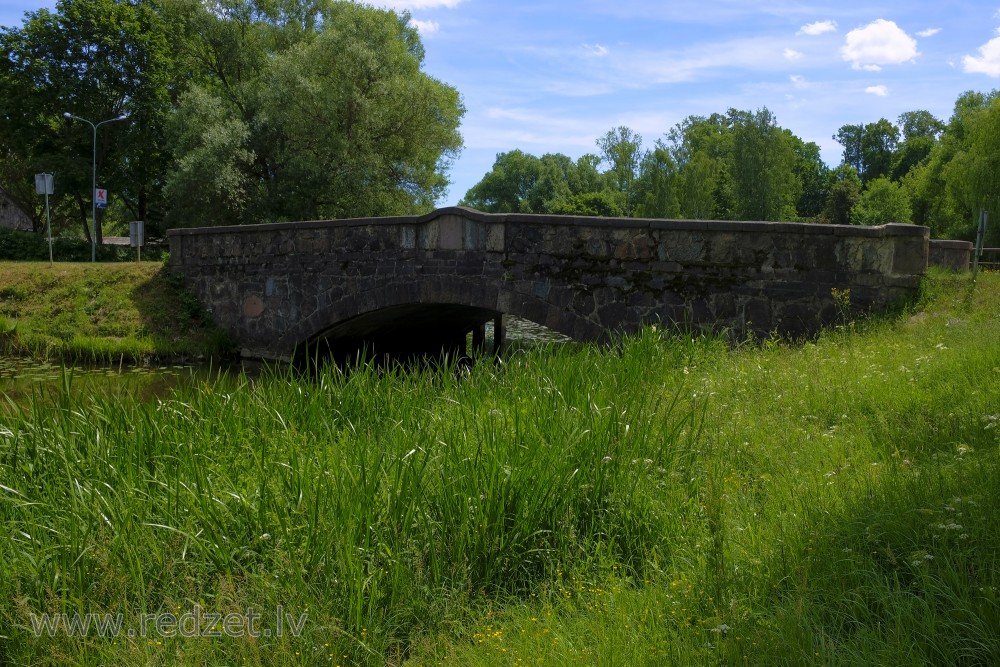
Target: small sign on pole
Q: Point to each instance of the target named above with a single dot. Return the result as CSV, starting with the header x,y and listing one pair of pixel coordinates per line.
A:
x,y
136,237
101,198
44,186
984,218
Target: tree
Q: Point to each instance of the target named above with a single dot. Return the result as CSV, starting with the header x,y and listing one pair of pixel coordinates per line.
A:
x,y
590,204
882,202
340,119
919,123
844,193
850,137
938,186
621,149
657,185
814,176
96,59
352,126
701,147
505,189
973,175
870,148
765,185
699,181
210,183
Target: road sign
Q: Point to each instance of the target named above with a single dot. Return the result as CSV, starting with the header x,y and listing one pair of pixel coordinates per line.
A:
x,y
101,198
135,233
43,184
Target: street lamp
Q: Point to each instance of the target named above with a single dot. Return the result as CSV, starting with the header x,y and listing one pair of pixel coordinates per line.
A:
x,y
93,189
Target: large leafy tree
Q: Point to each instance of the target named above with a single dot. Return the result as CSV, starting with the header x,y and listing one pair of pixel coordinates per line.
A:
x,y
658,185
97,59
920,130
506,188
764,179
869,148
882,202
238,110
523,183
324,107
621,149
948,187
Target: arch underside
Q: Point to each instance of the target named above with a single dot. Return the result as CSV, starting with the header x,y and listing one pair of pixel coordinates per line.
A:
x,y
401,332
426,319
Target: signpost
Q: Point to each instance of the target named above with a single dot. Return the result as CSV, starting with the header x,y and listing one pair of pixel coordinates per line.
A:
x,y
136,237
101,198
984,217
45,186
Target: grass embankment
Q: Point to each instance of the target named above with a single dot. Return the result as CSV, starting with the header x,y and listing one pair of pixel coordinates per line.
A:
x,y
101,312
667,501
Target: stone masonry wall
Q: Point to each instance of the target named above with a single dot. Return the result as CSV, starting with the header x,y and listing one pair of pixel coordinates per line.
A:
x,y
276,286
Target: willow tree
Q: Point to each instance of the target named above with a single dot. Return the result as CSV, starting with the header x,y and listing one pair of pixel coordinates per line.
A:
x,y
309,110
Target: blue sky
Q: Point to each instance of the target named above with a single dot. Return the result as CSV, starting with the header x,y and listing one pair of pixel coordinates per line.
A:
x,y
553,75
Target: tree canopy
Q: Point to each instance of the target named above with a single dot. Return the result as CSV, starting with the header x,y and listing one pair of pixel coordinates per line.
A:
x,y
742,165
239,111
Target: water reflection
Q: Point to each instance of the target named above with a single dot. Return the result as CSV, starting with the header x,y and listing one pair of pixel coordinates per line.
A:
x,y
21,379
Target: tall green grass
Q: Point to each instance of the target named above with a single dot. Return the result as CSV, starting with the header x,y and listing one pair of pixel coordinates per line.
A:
x,y
667,500
102,313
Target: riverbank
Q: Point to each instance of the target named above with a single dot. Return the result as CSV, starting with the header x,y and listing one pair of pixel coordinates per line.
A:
x,y
667,500
134,312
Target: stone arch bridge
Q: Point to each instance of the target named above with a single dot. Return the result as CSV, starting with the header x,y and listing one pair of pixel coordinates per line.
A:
x,y
415,284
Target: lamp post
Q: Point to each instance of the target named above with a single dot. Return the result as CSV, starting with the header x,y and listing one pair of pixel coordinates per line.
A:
x,y
93,181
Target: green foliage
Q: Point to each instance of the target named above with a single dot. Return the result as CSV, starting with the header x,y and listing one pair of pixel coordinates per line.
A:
x,y
657,188
104,312
95,59
209,183
882,202
621,149
604,204
844,193
869,148
522,183
667,500
17,246
735,166
240,111
764,179
506,188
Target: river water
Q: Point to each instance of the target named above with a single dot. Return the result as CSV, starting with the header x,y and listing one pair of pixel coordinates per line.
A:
x,y
21,378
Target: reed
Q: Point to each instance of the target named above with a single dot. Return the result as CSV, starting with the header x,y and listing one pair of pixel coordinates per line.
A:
x,y
665,500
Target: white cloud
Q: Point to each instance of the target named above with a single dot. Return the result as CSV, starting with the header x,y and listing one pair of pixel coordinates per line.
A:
x,y
930,32
425,27
792,54
988,62
798,81
596,49
818,28
881,91
878,43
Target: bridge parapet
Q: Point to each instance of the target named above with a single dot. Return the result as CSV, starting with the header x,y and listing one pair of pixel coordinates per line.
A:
x,y
276,286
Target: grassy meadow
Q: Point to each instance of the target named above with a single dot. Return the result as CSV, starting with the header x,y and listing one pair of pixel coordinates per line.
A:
x,y
102,313
669,500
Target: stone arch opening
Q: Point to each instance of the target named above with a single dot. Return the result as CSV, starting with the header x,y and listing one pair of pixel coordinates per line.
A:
x,y
403,333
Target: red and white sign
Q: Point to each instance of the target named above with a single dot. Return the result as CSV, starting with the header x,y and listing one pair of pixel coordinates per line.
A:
x,y
101,198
